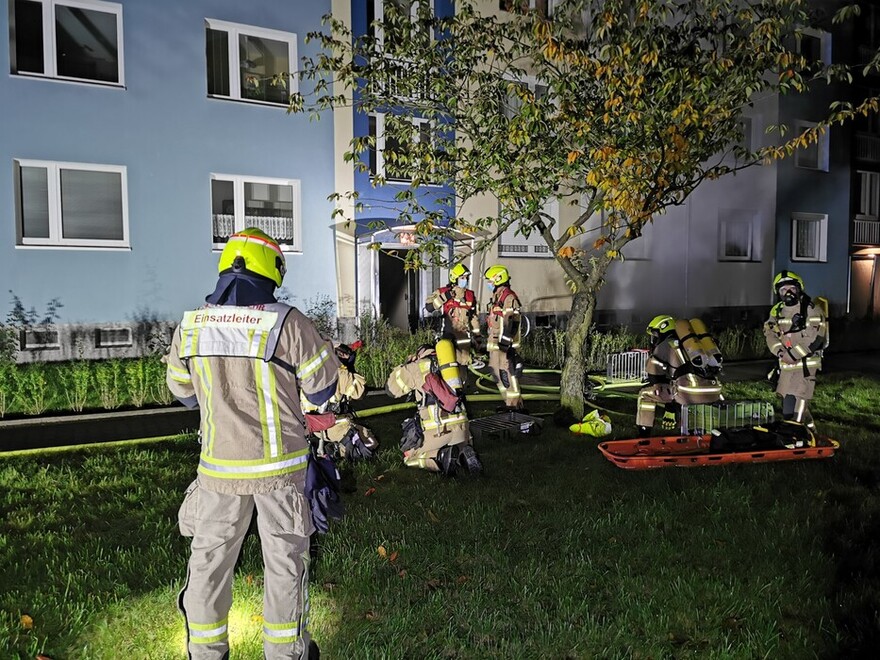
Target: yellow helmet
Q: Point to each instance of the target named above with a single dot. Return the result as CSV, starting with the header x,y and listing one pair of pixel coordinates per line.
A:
x,y
254,251
497,275
457,271
784,277
661,324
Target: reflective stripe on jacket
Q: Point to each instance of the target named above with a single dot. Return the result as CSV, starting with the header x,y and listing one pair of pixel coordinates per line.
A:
x,y
246,367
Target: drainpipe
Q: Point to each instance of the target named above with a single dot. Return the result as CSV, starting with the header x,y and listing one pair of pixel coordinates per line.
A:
x,y
873,275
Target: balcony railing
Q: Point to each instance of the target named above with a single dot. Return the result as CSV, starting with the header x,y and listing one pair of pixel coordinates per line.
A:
x,y
866,232
868,147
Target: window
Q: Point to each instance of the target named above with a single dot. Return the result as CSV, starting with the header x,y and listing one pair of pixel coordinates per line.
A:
x,y
249,63
869,195
809,237
511,244
71,204
814,45
735,229
382,156
272,205
815,155
387,12
513,102
543,7
67,40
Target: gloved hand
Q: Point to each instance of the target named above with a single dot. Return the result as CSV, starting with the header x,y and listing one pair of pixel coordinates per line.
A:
x,y
514,362
797,323
668,421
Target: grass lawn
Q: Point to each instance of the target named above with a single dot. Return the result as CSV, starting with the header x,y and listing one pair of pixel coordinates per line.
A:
x,y
556,553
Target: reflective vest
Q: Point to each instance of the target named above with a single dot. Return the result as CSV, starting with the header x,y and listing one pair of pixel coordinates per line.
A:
x,y
245,366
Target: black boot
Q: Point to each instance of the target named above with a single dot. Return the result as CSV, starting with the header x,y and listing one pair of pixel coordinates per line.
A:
x,y
644,431
447,460
468,459
314,652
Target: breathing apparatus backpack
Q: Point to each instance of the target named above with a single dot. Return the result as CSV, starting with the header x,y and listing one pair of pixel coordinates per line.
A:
x,y
702,353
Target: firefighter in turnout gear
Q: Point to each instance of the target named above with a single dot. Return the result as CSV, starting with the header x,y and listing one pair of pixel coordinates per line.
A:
x,y
346,438
683,369
503,323
796,333
458,306
243,360
438,439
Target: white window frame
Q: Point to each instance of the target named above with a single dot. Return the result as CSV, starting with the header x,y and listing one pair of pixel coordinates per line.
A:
x,y
822,148
534,244
50,63
238,181
869,195
234,30
56,239
380,144
724,221
822,236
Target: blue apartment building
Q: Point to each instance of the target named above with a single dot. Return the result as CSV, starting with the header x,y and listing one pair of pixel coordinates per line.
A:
x,y
136,136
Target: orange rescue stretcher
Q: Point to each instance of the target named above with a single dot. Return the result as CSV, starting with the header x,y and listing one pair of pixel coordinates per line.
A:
x,y
694,451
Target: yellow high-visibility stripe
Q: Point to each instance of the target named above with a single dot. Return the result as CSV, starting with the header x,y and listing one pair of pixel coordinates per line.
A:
x,y
178,374
203,370
310,366
260,378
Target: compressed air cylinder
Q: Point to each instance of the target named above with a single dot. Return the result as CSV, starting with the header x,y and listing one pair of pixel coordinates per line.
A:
x,y
449,368
707,343
690,342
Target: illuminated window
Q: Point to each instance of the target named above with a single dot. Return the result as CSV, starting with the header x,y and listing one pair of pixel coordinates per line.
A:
x,y
248,63
78,40
71,204
272,205
809,237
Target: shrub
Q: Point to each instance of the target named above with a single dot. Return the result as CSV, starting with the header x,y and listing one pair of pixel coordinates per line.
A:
x,y
6,384
76,379
156,377
137,381
385,347
322,311
31,388
544,347
108,377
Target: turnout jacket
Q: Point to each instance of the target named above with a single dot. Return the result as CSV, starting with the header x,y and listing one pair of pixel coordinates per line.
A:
x,y
415,375
669,365
459,307
796,335
503,319
244,367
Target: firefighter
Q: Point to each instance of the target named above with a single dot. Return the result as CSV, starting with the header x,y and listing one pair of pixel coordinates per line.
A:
x,y
458,306
438,439
346,438
503,323
243,360
796,333
683,368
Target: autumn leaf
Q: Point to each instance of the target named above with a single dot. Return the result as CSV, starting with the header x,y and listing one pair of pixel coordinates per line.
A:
x,y
371,615
599,242
573,156
432,517
380,477
382,551
249,579
433,583
393,557
27,622
566,252
369,492
462,579
402,573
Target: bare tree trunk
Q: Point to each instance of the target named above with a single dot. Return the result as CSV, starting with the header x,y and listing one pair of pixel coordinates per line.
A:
x,y
574,371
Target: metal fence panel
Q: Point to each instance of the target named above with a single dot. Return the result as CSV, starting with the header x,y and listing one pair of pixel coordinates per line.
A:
x,y
627,366
701,418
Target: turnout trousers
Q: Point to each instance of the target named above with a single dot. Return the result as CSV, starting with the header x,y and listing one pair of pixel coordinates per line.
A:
x,y
217,523
507,383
